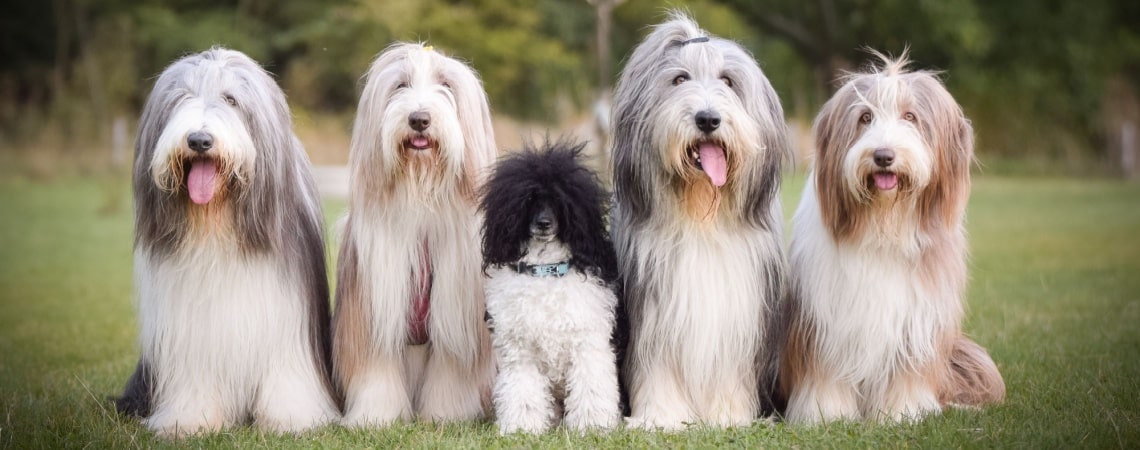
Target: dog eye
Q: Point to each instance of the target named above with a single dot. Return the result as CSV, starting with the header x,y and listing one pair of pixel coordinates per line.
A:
x,y
727,81
230,99
680,79
402,85
446,85
910,117
865,118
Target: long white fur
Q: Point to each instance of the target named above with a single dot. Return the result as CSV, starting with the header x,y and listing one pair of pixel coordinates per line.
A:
x,y
552,340
701,336
243,352
452,382
874,311
394,208
223,327
699,289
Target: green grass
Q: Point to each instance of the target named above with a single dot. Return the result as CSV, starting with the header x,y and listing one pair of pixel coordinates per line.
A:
x,y
1054,295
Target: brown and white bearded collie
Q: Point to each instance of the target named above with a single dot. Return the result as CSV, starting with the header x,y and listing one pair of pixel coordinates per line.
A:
x,y
879,258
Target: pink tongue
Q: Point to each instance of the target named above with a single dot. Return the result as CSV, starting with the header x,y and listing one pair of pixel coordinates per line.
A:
x,y
713,163
200,182
886,181
420,142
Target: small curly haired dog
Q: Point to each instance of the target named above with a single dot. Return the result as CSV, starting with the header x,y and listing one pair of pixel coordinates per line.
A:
x,y
550,306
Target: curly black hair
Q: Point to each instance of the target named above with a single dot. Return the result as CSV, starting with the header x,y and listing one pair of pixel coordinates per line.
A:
x,y
522,182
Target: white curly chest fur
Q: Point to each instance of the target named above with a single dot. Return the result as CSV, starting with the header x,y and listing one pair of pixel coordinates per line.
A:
x,y
551,338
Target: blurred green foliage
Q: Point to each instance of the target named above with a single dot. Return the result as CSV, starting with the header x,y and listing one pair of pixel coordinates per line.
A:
x,y
1035,75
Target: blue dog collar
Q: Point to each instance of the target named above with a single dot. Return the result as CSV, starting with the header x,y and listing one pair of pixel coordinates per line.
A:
x,y
544,270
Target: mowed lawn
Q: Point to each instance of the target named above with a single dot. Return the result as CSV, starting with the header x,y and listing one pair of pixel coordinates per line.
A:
x,y
1054,295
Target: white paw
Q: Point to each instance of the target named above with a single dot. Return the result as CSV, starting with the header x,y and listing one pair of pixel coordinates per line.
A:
x,y
531,426
360,419
912,413
655,424
295,424
170,427
599,422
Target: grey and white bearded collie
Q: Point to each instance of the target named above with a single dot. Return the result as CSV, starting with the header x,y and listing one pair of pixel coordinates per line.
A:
x,y
229,257
699,141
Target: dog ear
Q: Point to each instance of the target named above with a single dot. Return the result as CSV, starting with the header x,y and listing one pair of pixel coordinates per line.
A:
x,y
270,126
506,209
157,224
478,132
633,161
951,137
374,170
834,133
761,183
582,218
630,154
505,228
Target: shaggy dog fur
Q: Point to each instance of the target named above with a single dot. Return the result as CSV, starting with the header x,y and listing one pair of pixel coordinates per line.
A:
x,y
229,257
409,338
698,146
550,304
879,252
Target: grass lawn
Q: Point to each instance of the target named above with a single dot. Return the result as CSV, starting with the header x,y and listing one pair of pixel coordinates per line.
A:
x,y
1054,295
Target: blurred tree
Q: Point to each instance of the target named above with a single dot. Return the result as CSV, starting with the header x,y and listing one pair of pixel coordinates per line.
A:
x,y
1047,77
524,69
1041,87
829,34
524,64
1030,73
604,10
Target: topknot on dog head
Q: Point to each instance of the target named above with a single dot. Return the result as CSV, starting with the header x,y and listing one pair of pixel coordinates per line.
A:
x,y
884,64
553,174
681,29
885,72
677,32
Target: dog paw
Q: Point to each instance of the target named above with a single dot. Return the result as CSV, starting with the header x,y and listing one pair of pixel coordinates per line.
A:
x,y
583,424
179,427
655,424
359,419
293,424
910,414
530,427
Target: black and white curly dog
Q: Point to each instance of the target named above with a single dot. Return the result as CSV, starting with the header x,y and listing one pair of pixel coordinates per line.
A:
x,y
550,305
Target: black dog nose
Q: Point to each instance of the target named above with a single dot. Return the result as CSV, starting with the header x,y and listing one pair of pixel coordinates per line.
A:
x,y
544,220
543,223
200,141
419,120
708,121
884,157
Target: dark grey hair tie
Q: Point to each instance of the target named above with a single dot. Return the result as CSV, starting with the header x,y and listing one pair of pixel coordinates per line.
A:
x,y
695,40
